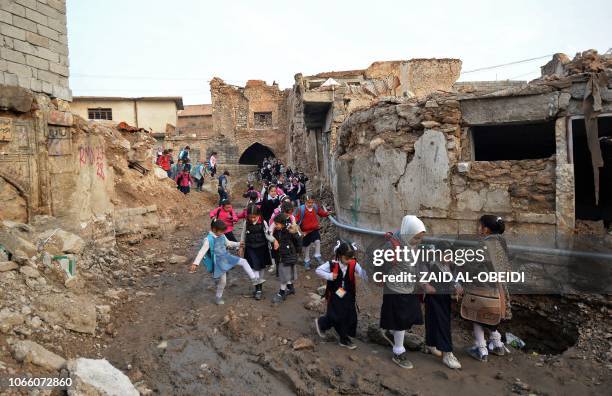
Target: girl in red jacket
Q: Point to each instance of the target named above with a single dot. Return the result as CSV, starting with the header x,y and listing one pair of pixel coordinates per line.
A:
x,y
307,217
226,213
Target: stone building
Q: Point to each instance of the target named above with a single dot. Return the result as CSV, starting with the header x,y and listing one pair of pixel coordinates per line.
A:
x,y
522,152
34,46
249,123
319,104
194,129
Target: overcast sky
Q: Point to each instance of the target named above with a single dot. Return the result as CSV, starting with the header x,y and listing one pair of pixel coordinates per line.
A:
x,y
160,47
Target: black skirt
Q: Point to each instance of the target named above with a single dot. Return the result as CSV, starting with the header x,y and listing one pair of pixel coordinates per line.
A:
x,y
400,311
438,322
258,258
342,314
310,238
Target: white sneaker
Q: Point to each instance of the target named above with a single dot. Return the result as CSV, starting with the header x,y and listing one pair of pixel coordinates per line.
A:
x,y
272,268
451,361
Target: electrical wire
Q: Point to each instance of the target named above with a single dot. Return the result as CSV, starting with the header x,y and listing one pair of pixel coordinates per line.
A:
x,y
506,64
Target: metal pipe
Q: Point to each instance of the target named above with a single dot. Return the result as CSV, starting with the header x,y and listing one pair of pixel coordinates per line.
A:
x,y
516,248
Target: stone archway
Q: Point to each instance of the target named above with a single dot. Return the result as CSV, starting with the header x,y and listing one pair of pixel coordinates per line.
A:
x,y
255,154
14,202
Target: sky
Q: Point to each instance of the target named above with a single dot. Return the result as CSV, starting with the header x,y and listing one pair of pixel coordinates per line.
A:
x,y
174,48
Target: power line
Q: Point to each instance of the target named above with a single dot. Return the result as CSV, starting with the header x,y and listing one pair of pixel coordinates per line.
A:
x,y
102,76
506,64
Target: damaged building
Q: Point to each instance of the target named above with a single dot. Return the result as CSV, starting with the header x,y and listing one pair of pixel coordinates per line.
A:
x,y
249,123
522,151
319,104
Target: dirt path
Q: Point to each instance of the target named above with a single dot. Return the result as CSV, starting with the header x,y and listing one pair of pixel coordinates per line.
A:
x,y
245,346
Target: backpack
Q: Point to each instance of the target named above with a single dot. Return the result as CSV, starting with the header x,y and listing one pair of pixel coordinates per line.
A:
x,y
302,210
184,154
209,257
334,267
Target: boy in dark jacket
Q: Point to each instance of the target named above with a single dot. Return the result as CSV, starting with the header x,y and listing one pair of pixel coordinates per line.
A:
x,y
289,244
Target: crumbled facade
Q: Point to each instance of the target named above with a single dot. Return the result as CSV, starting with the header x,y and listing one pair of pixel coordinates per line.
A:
x,y
449,157
248,122
319,104
34,46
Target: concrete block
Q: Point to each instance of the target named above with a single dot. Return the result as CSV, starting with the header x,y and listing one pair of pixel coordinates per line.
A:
x,y
27,3
14,8
47,87
37,39
62,118
12,31
62,92
47,54
24,23
3,65
43,30
38,63
10,80
47,10
59,69
12,56
6,17
58,47
24,82
48,77
19,69
24,47
58,5
36,85
57,25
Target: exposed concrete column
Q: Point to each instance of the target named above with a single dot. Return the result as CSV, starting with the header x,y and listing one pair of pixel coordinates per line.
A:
x,y
565,200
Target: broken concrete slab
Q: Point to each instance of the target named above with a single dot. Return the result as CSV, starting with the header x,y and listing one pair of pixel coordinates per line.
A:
x,y
26,351
13,98
97,377
532,108
77,313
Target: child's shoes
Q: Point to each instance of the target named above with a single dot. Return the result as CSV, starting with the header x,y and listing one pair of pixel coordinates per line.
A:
x,y
451,361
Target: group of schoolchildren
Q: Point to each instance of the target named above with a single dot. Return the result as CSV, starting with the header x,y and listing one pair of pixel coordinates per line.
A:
x,y
275,232
182,172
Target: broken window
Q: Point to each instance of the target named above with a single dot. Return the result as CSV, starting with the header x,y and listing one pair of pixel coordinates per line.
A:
x,y
513,141
262,120
100,114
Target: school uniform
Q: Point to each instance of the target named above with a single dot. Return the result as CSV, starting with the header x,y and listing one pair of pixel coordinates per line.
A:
x,y
401,308
287,254
341,297
438,311
256,250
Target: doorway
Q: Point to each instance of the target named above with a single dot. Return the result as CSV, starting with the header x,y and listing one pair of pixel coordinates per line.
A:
x,y
586,208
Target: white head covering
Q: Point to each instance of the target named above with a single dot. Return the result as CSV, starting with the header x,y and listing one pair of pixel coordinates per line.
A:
x,y
411,225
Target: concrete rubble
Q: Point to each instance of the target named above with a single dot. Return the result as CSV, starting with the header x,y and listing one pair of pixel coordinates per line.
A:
x,y
97,377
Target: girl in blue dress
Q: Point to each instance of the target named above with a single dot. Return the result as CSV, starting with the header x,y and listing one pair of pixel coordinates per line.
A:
x,y
215,249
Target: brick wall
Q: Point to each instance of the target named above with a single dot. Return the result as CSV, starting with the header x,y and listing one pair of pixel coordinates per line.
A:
x,y
34,46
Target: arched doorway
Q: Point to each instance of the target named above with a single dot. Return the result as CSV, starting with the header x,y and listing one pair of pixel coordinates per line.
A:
x,y
255,154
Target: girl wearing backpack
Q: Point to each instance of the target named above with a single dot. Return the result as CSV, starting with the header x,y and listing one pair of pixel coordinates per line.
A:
x,y
307,217
225,212
340,294
254,244
491,228
183,181
218,260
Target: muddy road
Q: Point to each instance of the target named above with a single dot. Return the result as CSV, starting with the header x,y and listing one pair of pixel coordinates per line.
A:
x,y
176,341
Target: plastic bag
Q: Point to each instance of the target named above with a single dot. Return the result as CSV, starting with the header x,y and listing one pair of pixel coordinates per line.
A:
x,y
514,341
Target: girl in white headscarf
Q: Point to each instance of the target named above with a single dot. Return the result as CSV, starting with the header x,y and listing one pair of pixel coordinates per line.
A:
x,y
401,308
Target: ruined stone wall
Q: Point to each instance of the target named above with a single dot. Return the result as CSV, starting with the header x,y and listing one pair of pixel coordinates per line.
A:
x,y
55,163
235,118
201,126
34,46
404,157
357,90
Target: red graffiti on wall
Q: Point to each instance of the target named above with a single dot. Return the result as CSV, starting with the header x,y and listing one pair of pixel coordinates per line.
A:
x,y
93,156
